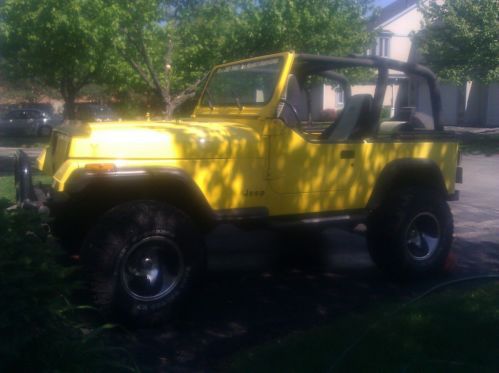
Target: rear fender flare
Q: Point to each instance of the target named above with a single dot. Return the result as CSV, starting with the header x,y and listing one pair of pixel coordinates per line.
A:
x,y
407,172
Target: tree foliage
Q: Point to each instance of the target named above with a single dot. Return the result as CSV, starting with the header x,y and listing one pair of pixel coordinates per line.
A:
x,y
460,39
165,47
336,27
172,44
62,44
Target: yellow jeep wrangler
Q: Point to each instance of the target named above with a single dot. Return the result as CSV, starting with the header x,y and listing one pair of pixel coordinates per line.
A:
x,y
276,140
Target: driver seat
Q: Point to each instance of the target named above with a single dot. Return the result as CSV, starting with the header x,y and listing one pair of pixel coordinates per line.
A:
x,y
354,116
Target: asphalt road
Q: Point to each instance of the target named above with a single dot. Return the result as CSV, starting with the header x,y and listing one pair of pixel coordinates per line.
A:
x,y
256,290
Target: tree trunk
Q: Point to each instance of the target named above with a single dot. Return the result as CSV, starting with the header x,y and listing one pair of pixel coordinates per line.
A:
x,y
69,111
69,107
68,93
169,109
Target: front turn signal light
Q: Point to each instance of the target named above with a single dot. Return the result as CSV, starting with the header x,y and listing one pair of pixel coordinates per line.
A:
x,y
100,167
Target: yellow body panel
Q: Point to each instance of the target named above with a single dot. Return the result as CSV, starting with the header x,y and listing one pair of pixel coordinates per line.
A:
x,y
242,157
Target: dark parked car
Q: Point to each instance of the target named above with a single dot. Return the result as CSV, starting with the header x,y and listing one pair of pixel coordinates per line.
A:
x,y
89,112
27,122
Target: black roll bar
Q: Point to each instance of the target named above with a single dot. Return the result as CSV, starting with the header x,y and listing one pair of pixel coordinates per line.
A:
x,y
326,63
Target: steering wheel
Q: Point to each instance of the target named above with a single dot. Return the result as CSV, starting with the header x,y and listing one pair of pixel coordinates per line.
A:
x,y
293,110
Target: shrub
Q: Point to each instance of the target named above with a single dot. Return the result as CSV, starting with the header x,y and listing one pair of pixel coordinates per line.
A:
x,y
38,327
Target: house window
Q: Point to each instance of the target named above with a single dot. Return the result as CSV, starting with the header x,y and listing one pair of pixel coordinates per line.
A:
x,y
382,47
339,97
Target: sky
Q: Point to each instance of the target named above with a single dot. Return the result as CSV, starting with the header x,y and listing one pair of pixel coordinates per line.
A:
x,y
382,2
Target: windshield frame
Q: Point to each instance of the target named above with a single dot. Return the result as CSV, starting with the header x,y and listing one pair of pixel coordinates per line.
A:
x,y
203,104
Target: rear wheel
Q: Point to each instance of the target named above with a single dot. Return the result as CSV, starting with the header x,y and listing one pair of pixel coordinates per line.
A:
x,y
411,233
143,258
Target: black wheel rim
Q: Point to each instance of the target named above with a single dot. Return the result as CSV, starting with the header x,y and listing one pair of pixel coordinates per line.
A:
x,y
423,236
152,268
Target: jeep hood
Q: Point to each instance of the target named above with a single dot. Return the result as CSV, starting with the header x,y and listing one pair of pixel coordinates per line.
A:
x,y
167,140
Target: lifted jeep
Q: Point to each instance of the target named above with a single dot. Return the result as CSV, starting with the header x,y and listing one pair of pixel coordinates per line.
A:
x,y
260,148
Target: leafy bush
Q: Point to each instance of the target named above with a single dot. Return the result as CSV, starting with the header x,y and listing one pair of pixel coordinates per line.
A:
x,y
38,328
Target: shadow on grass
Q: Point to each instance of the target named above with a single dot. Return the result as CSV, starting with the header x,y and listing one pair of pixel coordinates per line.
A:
x,y
454,329
256,291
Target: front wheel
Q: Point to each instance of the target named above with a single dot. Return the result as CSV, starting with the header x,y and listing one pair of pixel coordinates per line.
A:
x,y
143,258
411,233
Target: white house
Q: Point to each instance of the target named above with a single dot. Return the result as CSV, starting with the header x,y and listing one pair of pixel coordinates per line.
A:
x,y
470,105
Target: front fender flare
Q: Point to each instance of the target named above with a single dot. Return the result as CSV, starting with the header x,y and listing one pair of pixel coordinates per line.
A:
x,y
82,179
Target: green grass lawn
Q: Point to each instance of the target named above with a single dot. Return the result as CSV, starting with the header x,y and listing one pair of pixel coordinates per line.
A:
x,y
7,189
454,330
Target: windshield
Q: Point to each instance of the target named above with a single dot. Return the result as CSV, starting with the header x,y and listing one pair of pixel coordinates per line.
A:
x,y
248,83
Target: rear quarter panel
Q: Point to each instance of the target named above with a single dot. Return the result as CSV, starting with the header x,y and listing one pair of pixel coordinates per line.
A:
x,y
378,155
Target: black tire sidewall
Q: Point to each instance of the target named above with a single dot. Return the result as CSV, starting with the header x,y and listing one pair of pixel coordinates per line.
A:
x,y
104,258
388,229
427,202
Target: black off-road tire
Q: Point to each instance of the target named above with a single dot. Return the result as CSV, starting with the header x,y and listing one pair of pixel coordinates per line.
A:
x,y
411,233
133,253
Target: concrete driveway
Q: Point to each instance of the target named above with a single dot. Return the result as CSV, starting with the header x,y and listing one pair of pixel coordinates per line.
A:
x,y
255,292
